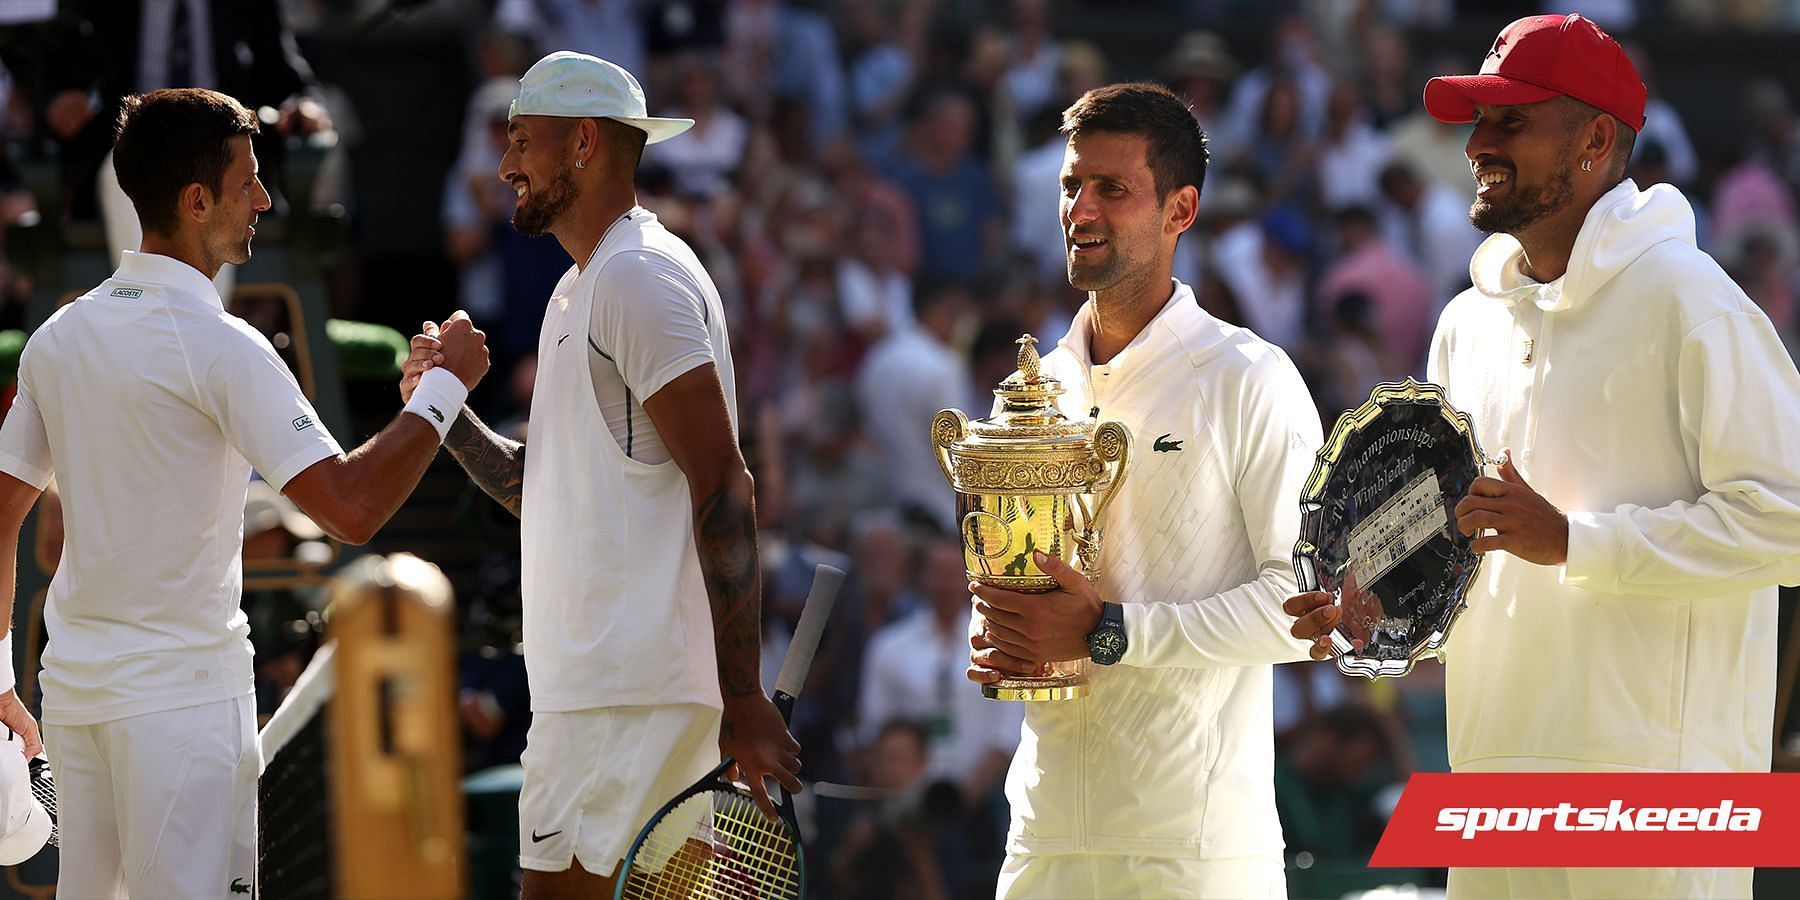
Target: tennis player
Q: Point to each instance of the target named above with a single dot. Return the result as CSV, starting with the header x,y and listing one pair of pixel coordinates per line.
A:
x,y
1161,782
151,405
1625,617
642,593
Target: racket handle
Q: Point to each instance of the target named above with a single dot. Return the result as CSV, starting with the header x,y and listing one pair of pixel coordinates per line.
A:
x,y
826,581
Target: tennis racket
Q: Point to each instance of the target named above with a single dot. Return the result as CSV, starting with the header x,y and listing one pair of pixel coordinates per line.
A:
x,y
711,841
44,788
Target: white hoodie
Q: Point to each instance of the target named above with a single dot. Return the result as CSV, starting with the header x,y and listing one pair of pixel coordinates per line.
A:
x,y
1644,394
1171,754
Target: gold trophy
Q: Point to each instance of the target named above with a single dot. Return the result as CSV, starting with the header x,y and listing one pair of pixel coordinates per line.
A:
x,y
1028,479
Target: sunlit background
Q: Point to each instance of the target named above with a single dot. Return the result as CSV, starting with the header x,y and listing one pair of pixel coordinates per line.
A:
x,y
873,187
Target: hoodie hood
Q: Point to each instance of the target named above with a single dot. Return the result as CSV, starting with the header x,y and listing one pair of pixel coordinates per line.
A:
x,y
1622,225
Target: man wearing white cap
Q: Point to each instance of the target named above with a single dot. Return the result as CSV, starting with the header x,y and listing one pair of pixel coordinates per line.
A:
x,y
642,592
1636,387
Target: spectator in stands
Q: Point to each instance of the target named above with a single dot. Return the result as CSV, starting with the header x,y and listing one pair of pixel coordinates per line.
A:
x,y
1400,300
957,203
1294,59
1429,222
1330,784
914,669
1351,153
1663,127
1201,69
890,852
904,381
243,49
704,158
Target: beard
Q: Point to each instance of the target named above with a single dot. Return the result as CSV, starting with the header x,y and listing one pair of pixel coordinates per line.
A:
x,y
233,248
1523,208
1098,275
543,206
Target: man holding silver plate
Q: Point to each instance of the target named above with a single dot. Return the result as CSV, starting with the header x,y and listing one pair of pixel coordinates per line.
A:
x,y
1649,500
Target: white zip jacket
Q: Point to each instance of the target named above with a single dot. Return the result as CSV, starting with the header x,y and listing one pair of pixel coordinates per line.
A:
x,y
1171,753
1645,395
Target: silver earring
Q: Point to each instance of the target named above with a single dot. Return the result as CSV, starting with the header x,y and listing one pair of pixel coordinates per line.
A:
x,y
1587,165
582,164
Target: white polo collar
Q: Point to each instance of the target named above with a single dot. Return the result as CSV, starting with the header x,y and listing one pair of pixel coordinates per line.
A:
x,y
1180,307
154,268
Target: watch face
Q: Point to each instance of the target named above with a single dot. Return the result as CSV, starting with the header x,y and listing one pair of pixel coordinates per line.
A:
x,y
1107,644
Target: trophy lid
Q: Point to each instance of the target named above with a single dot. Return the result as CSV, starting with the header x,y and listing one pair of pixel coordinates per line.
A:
x,y
1029,411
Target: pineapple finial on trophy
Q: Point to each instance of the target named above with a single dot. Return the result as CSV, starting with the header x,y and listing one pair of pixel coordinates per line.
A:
x,y
1028,358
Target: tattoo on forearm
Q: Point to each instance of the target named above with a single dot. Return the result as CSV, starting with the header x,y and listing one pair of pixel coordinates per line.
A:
x,y
495,464
725,535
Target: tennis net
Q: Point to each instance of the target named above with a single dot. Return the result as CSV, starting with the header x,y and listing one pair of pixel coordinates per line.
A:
x,y
294,836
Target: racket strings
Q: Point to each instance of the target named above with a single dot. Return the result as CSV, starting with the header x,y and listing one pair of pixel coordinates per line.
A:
x,y
44,788
716,846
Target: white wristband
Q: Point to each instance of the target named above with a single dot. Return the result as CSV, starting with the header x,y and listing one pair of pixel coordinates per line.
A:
x,y
7,678
438,399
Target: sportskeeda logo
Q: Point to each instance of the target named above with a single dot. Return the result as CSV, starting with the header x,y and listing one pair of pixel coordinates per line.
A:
x,y
1477,819
1616,816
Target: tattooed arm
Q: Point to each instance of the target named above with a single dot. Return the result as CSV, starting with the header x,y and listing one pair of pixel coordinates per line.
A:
x,y
494,463
691,417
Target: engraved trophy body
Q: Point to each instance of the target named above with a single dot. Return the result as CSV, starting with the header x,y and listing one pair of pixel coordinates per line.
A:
x,y
1028,479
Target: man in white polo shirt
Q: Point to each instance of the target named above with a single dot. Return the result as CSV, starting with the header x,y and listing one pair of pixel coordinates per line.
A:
x,y
1159,783
642,593
151,405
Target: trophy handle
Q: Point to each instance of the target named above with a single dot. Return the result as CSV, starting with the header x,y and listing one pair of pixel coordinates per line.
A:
x,y
948,427
1112,443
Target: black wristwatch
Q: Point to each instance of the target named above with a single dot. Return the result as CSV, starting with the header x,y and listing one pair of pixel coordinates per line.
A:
x,y
1106,643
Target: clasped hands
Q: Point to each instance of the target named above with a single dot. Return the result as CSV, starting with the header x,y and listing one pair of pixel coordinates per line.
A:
x,y
457,346
1014,634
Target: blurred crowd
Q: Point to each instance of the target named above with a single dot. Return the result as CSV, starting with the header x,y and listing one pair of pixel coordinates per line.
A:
x,y
873,186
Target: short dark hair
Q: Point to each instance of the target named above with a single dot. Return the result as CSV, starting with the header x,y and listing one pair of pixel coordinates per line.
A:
x,y
169,139
1177,153
627,141
1577,113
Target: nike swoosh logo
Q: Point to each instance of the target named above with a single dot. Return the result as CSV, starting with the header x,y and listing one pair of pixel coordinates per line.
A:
x,y
561,339
536,838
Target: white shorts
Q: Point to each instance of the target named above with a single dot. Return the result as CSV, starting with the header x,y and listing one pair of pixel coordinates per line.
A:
x,y
1094,875
158,805
594,777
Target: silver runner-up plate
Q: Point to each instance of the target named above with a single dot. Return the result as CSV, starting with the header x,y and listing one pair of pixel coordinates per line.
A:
x,y
1378,530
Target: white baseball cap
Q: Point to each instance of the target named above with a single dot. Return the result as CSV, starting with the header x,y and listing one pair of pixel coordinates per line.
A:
x,y
24,824
576,85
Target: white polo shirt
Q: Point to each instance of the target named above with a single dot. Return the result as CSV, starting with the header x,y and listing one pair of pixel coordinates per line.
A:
x,y
152,404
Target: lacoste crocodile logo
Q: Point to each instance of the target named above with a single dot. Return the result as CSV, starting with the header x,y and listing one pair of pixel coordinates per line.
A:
x,y
1164,445
239,887
434,412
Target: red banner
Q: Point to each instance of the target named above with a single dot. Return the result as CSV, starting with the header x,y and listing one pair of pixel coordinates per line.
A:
x,y
1595,819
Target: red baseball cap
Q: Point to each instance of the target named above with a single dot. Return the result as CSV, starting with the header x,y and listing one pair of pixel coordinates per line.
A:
x,y
1541,57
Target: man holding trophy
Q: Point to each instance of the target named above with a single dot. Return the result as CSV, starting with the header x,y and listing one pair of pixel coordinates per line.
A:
x,y
1158,780
1648,501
